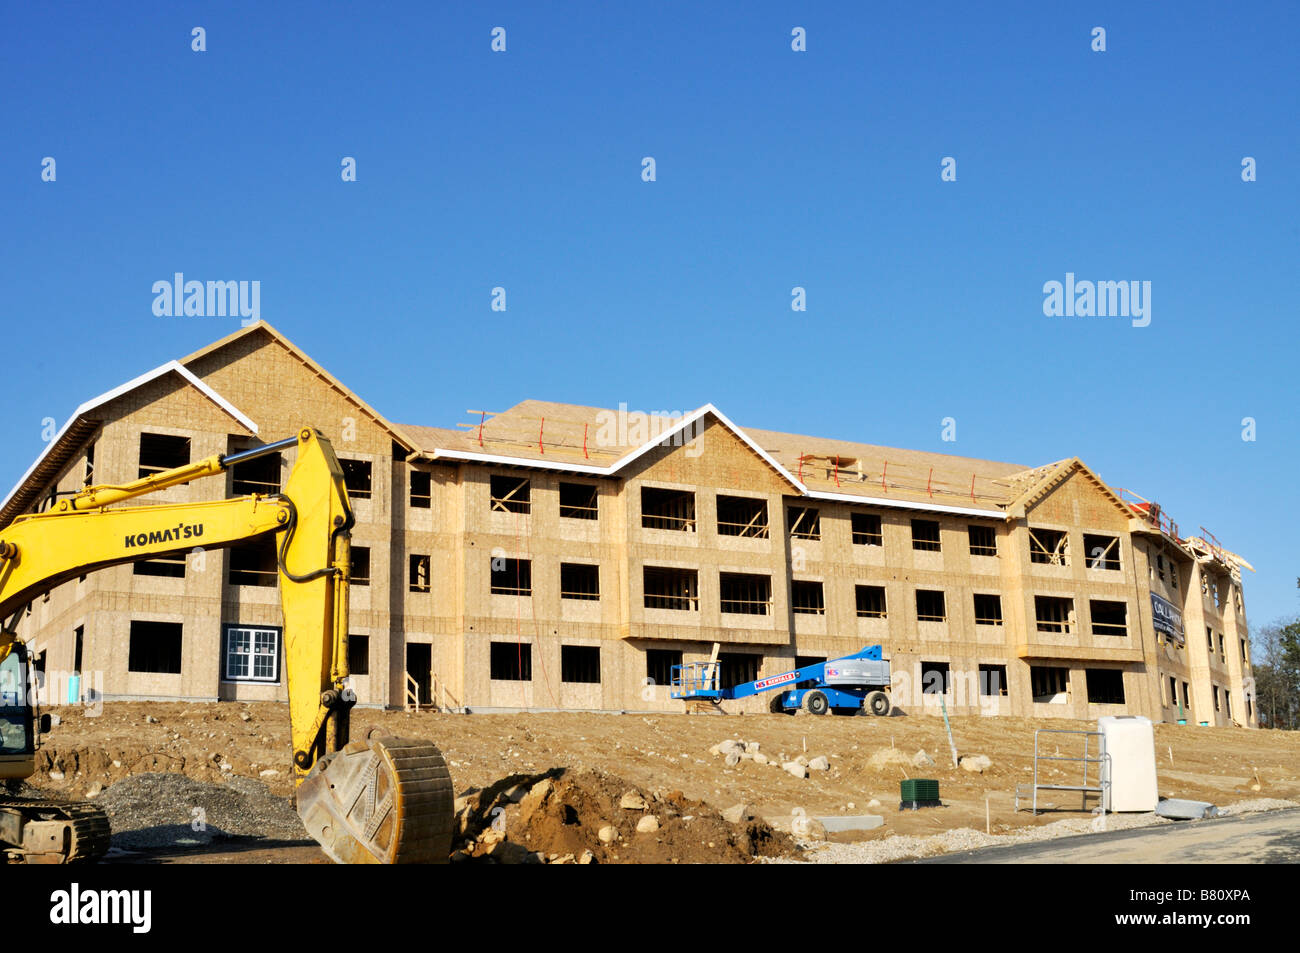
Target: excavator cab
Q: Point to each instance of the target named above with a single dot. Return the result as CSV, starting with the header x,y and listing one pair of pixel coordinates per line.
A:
x,y
17,722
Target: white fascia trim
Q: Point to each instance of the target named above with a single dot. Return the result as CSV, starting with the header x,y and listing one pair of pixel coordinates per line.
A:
x,y
124,389
905,504
471,457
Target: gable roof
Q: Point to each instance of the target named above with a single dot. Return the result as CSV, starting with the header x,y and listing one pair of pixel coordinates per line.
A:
x,y
261,327
83,423
1043,480
570,438
599,442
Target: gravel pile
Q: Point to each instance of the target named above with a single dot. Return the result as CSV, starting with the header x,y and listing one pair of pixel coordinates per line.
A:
x,y
171,810
1258,804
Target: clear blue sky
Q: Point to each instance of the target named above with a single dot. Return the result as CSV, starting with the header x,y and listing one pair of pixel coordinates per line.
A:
x,y
775,169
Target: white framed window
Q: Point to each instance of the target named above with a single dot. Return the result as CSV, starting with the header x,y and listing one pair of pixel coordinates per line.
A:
x,y
252,654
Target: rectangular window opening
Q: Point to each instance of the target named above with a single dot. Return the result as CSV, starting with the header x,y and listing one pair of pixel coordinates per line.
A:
x,y
930,606
578,501
804,522
512,577
356,477
359,654
169,566
511,662
159,452
155,647
867,530
418,572
360,565
870,602
936,678
671,589
511,494
925,535
1108,618
988,609
1054,614
983,540
1049,547
668,509
421,494
1102,551
993,681
580,664
659,665
1048,682
742,516
260,476
807,597
1105,686
735,668
254,563
745,593
579,581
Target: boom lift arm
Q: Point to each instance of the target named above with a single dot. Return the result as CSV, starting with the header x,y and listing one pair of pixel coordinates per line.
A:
x,y
387,801
844,685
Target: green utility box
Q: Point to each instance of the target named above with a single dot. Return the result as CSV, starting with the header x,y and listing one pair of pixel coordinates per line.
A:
x,y
918,793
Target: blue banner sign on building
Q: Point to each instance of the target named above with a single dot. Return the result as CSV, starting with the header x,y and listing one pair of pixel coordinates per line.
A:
x,y
1167,618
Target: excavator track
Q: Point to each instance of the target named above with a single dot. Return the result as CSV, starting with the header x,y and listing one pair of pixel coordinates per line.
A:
x,y
52,831
383,801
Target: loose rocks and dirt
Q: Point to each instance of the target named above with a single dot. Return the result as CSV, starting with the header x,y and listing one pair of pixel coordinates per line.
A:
x,y
232,760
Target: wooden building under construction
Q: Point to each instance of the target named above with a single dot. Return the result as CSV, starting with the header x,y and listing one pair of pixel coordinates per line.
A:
x,y
563,557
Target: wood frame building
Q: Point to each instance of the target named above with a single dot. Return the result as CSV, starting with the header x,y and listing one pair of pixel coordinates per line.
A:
x,y
563,557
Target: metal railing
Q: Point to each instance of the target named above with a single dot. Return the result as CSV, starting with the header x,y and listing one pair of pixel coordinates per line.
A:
x,y
1101,788
695,678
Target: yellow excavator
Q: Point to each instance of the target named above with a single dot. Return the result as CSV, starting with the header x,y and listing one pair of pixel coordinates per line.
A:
x,y
385,800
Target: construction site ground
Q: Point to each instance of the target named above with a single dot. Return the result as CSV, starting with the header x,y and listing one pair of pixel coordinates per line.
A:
x,y
224,794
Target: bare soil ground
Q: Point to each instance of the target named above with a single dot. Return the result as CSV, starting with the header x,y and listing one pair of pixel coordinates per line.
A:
x,y
593,758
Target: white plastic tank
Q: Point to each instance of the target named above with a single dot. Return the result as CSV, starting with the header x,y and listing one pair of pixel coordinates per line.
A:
x,y
1130,741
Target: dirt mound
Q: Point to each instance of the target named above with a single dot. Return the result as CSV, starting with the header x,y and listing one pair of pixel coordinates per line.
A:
x,y
559,816
885,758
156,810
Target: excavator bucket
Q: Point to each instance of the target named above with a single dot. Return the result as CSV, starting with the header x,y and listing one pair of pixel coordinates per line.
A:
x,y
382,801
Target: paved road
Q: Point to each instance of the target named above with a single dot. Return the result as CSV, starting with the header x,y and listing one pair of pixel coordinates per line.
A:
x,y
1271,837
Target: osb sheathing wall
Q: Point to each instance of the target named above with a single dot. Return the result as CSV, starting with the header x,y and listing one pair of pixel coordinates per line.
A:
x,y
281,394
459,617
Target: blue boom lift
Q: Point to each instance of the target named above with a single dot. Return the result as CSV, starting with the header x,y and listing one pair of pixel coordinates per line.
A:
x,y
846,686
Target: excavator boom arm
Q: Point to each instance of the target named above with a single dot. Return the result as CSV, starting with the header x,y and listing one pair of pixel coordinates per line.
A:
x,y
386,801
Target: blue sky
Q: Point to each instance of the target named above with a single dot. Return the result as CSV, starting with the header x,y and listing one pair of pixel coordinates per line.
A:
x,y
775,169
